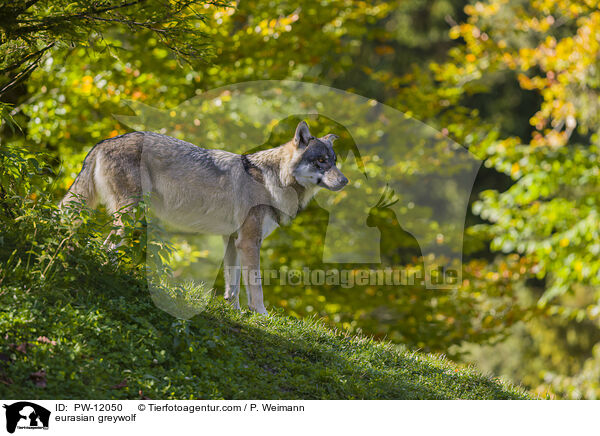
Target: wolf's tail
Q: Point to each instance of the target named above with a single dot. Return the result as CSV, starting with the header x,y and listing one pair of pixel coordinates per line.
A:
x,y
83,188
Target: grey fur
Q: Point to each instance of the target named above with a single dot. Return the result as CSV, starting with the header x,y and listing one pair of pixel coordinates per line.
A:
x,y
194,189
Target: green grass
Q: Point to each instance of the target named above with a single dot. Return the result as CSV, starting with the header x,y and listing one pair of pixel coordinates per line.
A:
x,y
114,332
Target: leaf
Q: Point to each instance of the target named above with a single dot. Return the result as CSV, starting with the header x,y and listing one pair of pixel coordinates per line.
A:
x,y
121,385
39,378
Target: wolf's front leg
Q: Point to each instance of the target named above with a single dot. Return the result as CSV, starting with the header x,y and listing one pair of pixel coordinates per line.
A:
x,y
232,271
248,244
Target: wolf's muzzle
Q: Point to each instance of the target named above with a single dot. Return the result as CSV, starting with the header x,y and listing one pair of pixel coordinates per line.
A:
x,y
334,180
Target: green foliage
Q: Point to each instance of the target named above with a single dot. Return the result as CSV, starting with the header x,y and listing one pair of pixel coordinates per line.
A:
x,y
546,140
39,245
31,29
557,185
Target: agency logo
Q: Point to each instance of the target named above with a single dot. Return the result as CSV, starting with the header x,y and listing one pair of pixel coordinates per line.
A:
x,y
26,415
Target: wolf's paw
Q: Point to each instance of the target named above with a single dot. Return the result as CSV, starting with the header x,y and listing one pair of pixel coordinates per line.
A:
x,y
259,309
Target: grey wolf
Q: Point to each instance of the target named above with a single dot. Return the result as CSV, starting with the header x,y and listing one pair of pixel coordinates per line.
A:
x,y
242,197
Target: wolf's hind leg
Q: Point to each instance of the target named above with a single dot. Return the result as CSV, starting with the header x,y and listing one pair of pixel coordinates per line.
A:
x,y
232,271
116,236
117,178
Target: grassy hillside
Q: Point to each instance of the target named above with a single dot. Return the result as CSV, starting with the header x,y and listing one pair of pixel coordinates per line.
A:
x,y
112,342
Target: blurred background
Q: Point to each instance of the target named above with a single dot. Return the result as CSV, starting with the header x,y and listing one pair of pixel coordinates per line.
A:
x,y
514,82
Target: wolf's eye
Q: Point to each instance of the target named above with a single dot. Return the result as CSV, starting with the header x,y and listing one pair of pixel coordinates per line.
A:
x,y
321,160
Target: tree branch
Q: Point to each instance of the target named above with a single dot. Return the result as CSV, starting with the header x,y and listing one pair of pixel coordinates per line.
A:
x,y
30,3
21,76
26,58
50,22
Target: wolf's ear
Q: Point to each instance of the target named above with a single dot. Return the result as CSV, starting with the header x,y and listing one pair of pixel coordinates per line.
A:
x,y
302,135
330,138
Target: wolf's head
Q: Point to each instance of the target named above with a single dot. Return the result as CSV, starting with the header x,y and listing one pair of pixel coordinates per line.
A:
x,y
313,162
